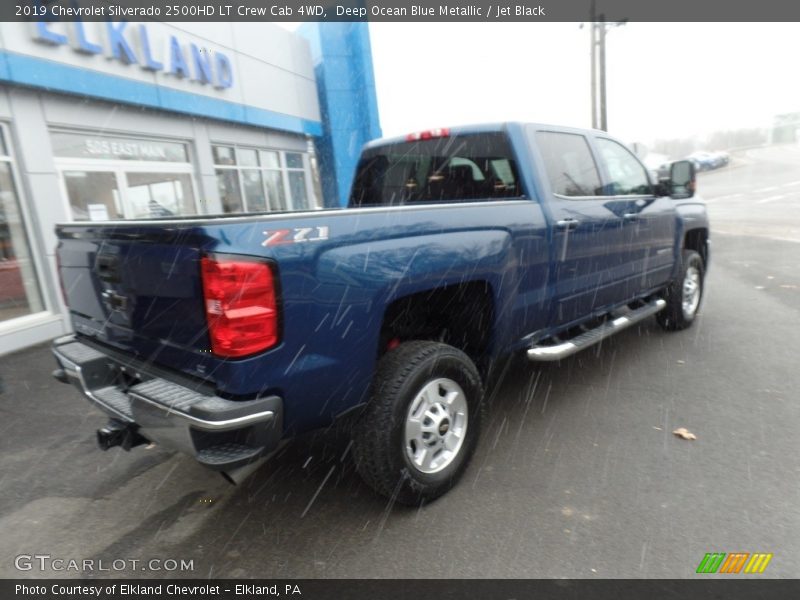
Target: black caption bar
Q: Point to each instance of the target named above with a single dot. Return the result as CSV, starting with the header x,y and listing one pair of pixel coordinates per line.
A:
x,y
400,10
392,589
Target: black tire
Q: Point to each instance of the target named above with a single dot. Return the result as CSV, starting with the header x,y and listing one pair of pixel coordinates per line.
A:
x,y
379,447
674,317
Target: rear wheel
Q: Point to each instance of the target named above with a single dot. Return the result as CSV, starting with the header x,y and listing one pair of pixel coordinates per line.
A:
x,y
415,438
684,295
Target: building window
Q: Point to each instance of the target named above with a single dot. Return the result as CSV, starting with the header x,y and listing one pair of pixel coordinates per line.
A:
x,y
297,180
19,286
159,195
258,180
111,177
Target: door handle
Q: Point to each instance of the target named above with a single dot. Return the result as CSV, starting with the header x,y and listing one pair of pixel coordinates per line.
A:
x,y
567,224
630,217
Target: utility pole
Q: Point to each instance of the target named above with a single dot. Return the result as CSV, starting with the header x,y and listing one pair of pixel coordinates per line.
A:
x,y
593,35
603,116
598,31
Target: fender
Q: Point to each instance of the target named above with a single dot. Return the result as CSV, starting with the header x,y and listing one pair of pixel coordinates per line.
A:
x,y
691,215
388,270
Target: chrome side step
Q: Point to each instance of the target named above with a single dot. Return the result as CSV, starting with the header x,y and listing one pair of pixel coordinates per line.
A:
x,y
593,336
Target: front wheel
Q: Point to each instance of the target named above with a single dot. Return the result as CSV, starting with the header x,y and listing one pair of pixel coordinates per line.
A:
x,y
415,438
684,295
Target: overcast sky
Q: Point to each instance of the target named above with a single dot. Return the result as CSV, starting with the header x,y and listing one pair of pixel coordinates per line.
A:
x,y
664,79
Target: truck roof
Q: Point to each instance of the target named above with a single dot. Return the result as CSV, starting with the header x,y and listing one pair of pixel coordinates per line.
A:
x,y
481,128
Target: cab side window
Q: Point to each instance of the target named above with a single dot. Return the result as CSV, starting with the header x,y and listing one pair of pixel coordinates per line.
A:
x,y
569,164
627,175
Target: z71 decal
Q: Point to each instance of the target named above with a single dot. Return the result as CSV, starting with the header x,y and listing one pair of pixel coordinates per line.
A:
x,y
276,237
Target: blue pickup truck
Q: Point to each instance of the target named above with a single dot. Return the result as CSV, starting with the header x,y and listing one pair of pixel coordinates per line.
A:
x,y
224,336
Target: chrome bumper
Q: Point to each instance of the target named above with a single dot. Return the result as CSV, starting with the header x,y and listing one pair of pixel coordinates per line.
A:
x,y
220,433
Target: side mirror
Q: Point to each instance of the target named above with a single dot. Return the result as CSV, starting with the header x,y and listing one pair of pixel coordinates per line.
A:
x,y
682,180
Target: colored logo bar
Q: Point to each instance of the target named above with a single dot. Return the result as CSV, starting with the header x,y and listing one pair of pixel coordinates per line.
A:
x,y
734,563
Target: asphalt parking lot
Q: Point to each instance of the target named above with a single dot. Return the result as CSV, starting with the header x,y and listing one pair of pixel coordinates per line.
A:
x,y
577,475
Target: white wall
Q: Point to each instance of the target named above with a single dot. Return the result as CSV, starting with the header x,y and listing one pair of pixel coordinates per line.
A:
x,y
272,67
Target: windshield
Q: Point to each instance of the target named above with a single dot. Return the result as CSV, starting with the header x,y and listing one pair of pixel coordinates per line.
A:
x,y
458,168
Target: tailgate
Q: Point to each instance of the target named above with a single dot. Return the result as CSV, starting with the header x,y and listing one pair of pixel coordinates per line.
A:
x,y
138,290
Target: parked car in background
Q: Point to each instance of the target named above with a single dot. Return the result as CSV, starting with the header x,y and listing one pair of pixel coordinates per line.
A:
x,y
706,161
723,157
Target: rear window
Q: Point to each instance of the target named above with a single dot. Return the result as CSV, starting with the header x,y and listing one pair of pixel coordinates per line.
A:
x,y
449,169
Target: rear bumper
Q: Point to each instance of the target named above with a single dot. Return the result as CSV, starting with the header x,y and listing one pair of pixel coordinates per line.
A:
x,y
219,433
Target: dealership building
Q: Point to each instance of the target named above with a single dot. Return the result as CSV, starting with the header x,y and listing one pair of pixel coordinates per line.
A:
x,y
114,120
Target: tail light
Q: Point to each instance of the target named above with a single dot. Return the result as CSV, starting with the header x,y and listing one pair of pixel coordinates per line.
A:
x,y
241,305
428,134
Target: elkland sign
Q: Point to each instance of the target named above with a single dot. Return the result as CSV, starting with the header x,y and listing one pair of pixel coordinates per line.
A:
x,y
131,45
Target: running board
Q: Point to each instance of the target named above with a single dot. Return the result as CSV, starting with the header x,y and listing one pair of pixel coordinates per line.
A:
x,y
593,336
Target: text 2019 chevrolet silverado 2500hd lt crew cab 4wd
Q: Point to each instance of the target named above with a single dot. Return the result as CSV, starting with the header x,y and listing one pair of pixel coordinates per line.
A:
x,y
222,336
